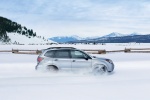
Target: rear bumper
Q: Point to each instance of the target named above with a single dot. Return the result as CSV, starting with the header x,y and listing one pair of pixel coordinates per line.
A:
x,y
36,67
40,67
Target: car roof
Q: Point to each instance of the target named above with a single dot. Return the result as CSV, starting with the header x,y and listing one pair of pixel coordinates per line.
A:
x,y
61,48
58,48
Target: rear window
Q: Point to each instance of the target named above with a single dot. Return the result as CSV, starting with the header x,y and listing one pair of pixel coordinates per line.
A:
x,y
62,54
49,54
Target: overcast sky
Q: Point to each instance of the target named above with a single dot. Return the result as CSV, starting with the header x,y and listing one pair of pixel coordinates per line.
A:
x,y
79,17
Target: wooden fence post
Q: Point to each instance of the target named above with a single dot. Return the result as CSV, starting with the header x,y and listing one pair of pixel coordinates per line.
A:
x,y
127,50
38,52
14,51
102,52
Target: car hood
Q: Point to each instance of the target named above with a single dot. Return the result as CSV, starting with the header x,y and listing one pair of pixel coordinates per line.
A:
x,y
99,58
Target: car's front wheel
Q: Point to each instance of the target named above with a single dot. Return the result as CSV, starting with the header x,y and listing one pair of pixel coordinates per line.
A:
x,y
99,70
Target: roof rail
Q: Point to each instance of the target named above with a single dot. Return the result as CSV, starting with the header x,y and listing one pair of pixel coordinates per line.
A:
x,y
61,48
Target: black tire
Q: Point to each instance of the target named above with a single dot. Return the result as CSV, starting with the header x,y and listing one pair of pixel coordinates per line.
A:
x,y
99,70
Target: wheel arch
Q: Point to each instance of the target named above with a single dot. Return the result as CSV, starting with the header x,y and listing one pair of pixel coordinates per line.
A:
x,y
53,66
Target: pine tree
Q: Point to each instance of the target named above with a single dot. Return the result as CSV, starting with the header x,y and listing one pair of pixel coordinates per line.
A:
x,y
8,26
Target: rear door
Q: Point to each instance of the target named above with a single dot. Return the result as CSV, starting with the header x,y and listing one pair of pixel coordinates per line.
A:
x,y
62,59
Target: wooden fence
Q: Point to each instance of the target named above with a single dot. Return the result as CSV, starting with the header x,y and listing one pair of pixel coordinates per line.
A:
x,y
21,51
126,50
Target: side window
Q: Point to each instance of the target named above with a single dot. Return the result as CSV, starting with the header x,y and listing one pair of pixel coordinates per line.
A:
x,y
77,54
62,54
49,54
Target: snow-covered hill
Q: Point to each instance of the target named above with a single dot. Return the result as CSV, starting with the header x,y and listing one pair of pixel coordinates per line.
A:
x,y
133,34
13,33
22,39
114,34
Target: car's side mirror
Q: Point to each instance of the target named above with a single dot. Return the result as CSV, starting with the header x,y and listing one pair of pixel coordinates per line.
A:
x,y
86,58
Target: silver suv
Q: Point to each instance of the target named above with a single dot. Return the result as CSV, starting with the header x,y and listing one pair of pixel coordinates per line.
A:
x,y
68,58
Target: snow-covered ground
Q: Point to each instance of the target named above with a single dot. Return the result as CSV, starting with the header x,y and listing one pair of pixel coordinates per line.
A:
x,y
130,80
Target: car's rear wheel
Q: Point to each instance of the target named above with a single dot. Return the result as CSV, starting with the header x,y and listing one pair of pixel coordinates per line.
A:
x,y
99,69
52,68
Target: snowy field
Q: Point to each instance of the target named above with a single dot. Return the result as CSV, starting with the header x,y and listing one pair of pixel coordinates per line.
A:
x,y
130,80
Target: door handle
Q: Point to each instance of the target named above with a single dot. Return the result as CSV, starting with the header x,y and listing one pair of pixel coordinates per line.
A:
x,y
73,60
56,60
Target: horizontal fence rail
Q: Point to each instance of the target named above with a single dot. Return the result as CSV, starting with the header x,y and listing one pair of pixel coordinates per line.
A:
x,y
139,48
5,50
91,51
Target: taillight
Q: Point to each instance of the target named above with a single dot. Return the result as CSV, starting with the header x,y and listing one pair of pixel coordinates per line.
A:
x,y
39,59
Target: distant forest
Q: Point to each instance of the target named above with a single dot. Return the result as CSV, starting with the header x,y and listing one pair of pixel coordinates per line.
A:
x,y
8,26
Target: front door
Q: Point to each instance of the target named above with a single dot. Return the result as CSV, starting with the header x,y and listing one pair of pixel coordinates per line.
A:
x,y
80,60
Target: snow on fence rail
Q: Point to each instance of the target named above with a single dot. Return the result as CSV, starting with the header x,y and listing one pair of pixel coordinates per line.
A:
x,y
126,50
